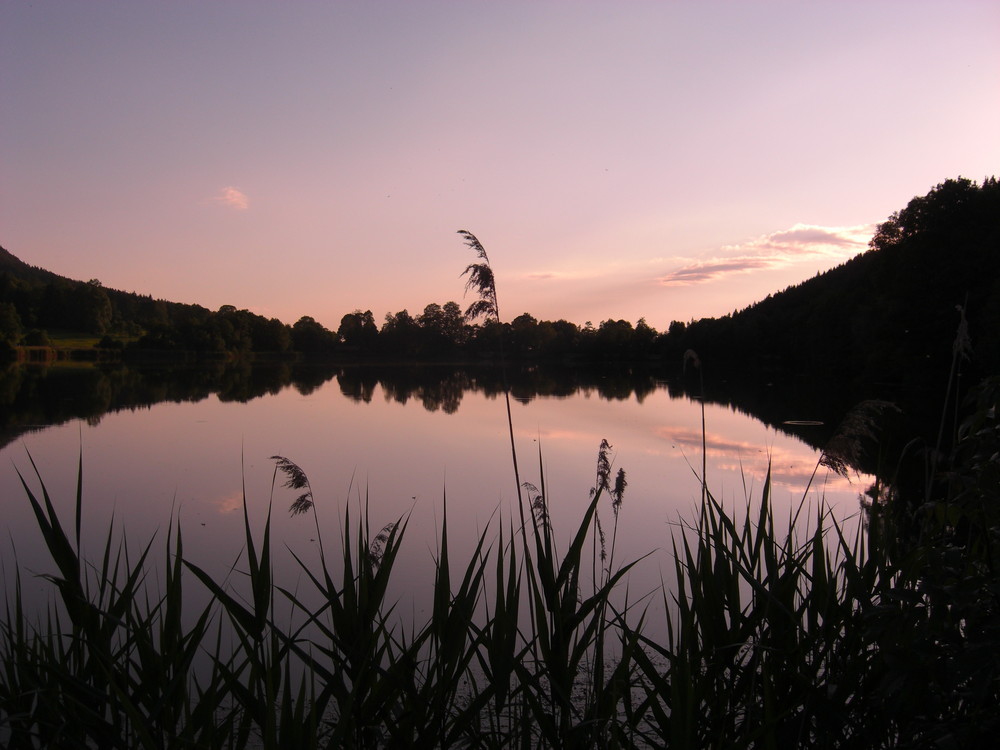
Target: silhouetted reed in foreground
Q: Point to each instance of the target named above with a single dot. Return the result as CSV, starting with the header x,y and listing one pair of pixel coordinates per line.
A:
x,y
482,281
812,637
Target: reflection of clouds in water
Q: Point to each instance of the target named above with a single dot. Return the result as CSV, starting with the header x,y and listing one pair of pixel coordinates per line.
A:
x,y
562,435
714,444
791,468
228,503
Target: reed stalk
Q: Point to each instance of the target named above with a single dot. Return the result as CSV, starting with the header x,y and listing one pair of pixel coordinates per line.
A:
x,y
483,282
817,636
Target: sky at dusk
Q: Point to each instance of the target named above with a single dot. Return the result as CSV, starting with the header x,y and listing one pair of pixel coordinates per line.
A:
x,y
666,160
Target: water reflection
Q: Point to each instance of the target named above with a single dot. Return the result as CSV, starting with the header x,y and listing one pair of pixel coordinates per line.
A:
x,y
187,443
48,395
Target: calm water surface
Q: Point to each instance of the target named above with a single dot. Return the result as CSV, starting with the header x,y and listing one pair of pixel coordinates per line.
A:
x,y
197,461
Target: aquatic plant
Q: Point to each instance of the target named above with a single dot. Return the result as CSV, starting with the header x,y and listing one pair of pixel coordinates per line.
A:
x,y
482,281
818,636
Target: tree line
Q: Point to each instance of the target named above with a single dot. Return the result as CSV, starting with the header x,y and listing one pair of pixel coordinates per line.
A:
x,y
891,315
34,303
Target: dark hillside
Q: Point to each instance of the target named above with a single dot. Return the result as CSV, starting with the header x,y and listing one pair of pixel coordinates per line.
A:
x,y
886,319
34,301
16,267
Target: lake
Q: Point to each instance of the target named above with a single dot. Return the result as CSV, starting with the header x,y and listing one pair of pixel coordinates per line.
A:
x,y
408,443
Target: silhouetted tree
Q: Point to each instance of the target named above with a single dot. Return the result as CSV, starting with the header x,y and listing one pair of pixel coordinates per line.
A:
x,y
10,323
399,335
311,337
358,330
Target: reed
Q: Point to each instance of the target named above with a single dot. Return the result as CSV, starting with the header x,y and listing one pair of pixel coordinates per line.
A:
x,y
483,282
108,662
826,634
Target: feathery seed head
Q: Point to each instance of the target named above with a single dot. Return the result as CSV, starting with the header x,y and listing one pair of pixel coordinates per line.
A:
x,y
376,551
603,469
296,479
301,504
481,281
537,502
618,492
473,242
601,538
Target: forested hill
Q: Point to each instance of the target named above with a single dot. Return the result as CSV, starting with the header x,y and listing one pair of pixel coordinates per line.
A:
x,y
17,267
890,316
35,303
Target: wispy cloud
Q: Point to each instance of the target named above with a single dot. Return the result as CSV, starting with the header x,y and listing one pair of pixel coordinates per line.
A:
x,y
232,197
802,242
581,272
716,445
709,270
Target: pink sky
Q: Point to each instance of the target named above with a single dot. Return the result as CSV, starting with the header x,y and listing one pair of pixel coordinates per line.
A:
x,y
663,160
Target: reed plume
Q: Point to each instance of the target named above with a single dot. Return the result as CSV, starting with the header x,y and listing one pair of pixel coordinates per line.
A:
x,y
376,551
603,469
539,510
481,281
618,491
295,479
601,485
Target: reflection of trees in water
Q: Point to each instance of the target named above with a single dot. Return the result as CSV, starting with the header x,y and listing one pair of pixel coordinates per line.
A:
x,y
31,397
34,397
47,395
445,394
436,388
442,387
306,379
357,383
814,410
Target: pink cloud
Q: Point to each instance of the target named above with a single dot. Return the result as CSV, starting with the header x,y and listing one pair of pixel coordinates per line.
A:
x,y
801,242
698,273
232,197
